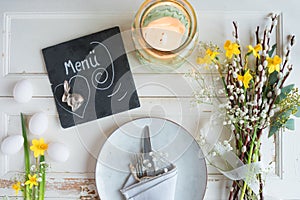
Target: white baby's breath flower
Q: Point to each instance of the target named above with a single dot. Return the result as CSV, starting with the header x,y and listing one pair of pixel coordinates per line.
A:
x,y
202,142
260,67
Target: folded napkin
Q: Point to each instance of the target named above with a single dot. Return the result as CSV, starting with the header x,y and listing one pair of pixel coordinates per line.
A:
x,y
160,187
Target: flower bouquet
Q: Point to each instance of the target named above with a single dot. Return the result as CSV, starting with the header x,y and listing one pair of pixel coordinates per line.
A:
x,y
257,97
33,183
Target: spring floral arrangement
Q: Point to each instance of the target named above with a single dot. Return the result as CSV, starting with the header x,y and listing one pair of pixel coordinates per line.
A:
x,y
258,101
33,183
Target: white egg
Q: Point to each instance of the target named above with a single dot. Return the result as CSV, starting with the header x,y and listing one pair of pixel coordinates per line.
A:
x,y
23,91
58,152
12,144
38,123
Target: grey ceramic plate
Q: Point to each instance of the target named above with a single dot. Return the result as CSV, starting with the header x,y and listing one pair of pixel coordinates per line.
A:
x,y
166,136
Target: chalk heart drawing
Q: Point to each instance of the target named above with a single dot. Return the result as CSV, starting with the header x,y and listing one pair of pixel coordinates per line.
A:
x,y
85,92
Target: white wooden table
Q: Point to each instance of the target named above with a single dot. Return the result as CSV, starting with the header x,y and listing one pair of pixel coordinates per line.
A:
x,y
28,26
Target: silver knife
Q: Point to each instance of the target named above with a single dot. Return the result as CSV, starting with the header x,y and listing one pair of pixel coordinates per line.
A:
x,y
147,149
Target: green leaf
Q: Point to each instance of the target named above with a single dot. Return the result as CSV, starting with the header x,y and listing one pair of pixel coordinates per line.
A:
x,y
297,114
270,53
273,130
26,149
273,78
287,89
43,176
284,92
27,190
290,124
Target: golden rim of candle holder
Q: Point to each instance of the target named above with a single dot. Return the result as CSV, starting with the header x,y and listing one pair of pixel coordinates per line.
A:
x,y
183,6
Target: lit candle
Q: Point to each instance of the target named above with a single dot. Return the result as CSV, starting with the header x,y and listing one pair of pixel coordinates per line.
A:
x,y
164,34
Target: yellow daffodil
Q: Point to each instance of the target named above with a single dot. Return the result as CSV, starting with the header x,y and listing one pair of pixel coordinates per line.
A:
x,y
38,147
212,54
208,58
17,187
245,79
255,50
32,180
274,63
205,60
231,49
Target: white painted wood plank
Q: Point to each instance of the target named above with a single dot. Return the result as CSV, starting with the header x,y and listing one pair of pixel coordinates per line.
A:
x,y
148,85
26,33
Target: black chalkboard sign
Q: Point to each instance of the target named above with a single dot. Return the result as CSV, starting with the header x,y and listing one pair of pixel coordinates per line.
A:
x,y
90,77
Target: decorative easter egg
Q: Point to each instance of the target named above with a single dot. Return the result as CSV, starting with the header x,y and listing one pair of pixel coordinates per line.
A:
x,y
58,152
38,123
12,144
23,91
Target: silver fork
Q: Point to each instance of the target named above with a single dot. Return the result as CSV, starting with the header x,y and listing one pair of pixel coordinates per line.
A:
x,y
139,166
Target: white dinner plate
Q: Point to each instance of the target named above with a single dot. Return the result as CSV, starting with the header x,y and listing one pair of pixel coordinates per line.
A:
x,y
168,137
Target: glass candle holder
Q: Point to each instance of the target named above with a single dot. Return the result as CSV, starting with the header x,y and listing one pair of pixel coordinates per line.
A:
x,y
164,33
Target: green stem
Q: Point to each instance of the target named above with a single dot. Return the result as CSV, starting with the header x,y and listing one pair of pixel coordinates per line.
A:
x,y
26,155
43,176
249,160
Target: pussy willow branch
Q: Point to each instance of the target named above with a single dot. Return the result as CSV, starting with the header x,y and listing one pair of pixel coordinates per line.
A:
x,y
257,42
292,42
273,18
237,38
